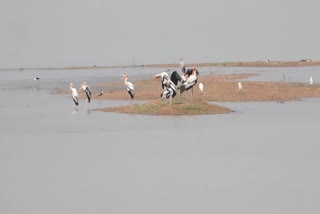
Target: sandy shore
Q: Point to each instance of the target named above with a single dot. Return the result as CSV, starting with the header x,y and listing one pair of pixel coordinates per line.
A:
x,y
216,88
219,88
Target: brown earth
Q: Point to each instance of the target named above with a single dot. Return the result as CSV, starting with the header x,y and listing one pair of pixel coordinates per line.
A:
x,y
216,88
179,107
219,88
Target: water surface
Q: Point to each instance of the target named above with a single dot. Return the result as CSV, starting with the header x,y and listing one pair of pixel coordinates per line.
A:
x,y
262,158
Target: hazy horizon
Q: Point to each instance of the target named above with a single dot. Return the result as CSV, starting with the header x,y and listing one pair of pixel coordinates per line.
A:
x,y
42,33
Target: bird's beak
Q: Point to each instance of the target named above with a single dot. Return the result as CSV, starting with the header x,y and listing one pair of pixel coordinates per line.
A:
x,y
123,76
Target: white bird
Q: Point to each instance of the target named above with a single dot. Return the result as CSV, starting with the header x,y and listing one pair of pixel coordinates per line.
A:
x,y
169,84
129,86
169,90
311,81
164,77
74,94
240,87
87,90
190,82
201,87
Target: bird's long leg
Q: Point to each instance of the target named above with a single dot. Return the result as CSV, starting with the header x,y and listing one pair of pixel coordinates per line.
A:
x,y
192,93
170,100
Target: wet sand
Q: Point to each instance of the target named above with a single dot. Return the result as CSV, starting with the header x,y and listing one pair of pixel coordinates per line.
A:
x,y
219,88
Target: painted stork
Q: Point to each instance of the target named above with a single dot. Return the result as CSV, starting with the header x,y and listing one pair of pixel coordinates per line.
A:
x,y
74,94
169,85
163,76
169,90
87,90
190,82
129,86
176,78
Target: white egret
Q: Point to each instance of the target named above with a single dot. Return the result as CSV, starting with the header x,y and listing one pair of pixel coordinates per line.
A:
x,y
201,87
240,87
311,81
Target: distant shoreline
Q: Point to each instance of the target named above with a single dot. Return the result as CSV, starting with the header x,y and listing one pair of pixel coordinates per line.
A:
x,y
300,63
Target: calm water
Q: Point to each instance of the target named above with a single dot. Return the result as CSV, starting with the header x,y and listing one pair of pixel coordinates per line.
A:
x,y
263,158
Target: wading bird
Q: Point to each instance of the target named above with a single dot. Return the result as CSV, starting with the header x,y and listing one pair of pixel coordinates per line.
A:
x,y
86,89
176,78
74,94
163,76
101,93
190,81
182,67
129,86
169,85
201,87
240,87
311,81
169,90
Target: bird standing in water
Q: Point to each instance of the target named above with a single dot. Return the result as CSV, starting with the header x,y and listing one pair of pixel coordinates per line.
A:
x,y
86,89
129,86
74,94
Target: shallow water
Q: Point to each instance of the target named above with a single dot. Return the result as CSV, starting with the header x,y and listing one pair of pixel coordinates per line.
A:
x,y
262,158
